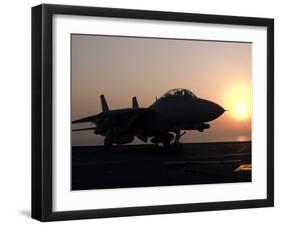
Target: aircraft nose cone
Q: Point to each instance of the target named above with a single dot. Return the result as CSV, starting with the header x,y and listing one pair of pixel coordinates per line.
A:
x,y
217,110
214,110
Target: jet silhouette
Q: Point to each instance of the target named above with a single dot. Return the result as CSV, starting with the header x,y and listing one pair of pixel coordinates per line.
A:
x,y
177,110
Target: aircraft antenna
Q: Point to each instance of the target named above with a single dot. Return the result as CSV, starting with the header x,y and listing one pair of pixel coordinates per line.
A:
x,y
135,103
104,105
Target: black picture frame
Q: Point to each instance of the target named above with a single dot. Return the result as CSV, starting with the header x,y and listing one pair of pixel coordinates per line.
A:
x,y
42,111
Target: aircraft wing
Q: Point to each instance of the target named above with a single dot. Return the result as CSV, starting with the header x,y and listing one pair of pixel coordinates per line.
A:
x,y
92,118
84,129
133,119
122,120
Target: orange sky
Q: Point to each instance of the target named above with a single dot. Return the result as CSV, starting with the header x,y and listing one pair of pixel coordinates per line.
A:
x,y
123,67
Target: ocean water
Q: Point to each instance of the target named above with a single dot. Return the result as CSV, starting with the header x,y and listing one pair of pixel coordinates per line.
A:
x,y
205,139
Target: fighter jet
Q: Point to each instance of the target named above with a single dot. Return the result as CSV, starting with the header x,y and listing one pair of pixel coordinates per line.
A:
x,y
165,121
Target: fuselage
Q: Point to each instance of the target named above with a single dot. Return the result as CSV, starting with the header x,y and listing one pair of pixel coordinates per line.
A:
x,y
182,112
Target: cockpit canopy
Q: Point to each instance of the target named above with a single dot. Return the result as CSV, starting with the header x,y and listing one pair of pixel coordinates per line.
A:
x,y
178,92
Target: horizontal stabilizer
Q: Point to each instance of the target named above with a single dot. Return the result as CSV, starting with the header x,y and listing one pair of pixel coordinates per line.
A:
x,y
84,129
87,119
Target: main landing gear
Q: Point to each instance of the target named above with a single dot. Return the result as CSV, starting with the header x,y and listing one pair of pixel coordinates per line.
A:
x,y
177,145
107,143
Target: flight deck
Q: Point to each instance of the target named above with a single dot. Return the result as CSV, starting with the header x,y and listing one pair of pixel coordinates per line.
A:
x,y
125,166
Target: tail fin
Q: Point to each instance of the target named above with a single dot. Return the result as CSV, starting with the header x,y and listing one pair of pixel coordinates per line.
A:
x,y
135,103
103,103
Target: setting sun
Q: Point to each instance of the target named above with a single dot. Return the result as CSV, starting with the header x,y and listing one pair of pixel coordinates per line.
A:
x,y
238,101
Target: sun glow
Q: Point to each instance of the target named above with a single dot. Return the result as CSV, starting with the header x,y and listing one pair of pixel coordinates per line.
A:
x,y
238,101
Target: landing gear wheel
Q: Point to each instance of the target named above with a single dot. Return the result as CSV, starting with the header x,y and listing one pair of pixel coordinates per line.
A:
x,y
167,138
167,144
107,143
178,146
